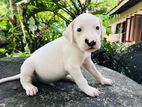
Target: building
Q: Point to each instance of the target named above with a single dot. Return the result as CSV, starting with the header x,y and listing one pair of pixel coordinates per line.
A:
x,y
128,27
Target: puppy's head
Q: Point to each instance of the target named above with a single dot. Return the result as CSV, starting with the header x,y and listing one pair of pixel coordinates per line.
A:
x,y
85,31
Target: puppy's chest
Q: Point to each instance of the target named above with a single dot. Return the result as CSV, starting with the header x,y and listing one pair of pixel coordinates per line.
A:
x,y
84,57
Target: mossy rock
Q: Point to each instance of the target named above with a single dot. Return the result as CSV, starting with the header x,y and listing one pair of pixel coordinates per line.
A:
x,y
124,92
131,62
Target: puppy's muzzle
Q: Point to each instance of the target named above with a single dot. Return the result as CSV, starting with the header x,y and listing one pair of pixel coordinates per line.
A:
x,y
91,44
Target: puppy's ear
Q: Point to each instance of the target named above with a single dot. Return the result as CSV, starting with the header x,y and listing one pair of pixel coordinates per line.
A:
x,y
103,30
68,33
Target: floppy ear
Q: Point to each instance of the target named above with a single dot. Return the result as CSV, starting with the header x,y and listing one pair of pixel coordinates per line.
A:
x,y
103,30
68,33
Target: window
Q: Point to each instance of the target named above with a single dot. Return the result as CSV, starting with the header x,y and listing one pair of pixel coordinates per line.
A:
x,y
118,28
124,31
137,27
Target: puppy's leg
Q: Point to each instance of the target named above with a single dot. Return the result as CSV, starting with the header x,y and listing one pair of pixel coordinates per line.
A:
x,y
90,66
26,77
68,78
79,79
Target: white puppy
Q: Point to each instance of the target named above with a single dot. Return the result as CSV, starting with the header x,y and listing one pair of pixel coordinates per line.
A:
x,y
65,56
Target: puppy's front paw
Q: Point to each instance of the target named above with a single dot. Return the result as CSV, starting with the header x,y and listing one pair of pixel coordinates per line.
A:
x,y
106,81
93,92
31,90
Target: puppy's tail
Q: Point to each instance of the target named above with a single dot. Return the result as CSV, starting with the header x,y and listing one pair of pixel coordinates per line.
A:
x,y
15,77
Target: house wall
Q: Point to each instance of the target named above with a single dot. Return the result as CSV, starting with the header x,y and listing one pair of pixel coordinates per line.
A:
x,y
131,11
128,17
115,37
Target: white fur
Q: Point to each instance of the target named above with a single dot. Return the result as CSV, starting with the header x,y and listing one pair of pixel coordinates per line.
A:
x,y
65,56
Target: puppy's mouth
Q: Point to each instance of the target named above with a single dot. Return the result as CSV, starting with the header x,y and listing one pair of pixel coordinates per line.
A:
x,y
90,49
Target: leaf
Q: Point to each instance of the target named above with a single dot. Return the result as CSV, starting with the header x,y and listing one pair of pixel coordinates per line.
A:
x,y
100,11
2,50
31,7
27,50
11,30
55,28
109,31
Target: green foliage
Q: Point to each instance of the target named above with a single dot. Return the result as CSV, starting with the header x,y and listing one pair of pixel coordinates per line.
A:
x,y
107,20
3,9
18,54
114,46
102,6
2,52
43,21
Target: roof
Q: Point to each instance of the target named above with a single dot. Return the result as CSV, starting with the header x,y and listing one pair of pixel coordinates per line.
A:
x,y
123,5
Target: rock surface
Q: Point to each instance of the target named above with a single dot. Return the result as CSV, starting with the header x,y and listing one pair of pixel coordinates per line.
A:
x,y
131,61
124,92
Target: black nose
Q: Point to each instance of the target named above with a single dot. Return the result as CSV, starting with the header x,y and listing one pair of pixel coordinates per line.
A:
x,y
91,44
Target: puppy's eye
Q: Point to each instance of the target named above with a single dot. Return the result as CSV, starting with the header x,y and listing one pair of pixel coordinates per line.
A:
x,y
97,27
79,29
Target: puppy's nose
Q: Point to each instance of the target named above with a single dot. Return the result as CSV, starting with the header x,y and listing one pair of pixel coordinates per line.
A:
x,y
91,44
